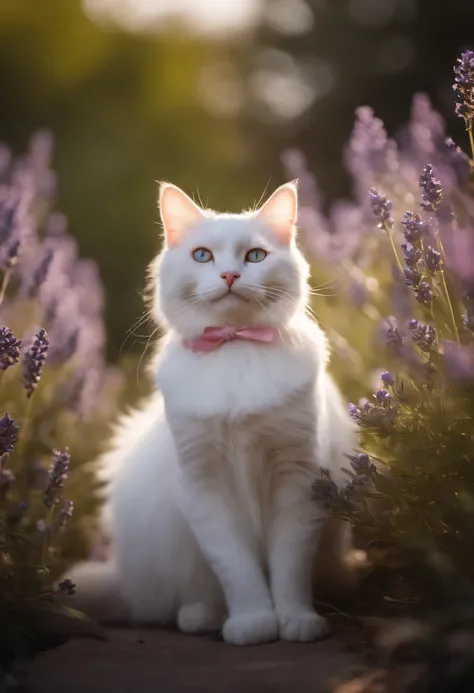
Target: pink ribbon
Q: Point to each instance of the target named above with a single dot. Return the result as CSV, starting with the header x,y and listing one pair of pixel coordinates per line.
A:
x,y
213,337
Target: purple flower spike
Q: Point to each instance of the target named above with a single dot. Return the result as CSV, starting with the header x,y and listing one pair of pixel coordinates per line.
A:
x,y
66,512
394,336
424,293
383,398
431,190
354,411
40,274
387,379
67,587
325,490
433,259
362,463
8,434
412,255
414,227
9,348
57,476
12,254
464,87
33,362
7,479
381,209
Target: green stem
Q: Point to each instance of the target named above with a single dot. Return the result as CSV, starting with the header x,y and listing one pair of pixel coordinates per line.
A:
x,y
445,286
25,431
392,243
471,138
3,287
47,533
450,306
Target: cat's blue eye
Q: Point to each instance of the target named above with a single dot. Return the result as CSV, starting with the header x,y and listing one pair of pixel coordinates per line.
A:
x,y
256,255
202,255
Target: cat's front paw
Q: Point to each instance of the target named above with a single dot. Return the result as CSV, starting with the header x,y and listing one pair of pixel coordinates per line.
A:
x,y
251,629
304,626
198,618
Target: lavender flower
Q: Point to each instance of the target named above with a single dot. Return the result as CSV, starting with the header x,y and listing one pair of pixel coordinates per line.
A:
x,y
431,190
66,586
8,434
433,259
12,254
424,293
414,227
412,277
383,398
9,348
325,490
355,412
66,512
381,209
387,379
464,87
412,256
394,336
423,335
57,476
8,214
370,153
16,513
7,479
362,463
33,362
40,274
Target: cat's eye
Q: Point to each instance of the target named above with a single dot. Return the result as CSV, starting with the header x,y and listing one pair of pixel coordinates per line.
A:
x,y
202,255
256,255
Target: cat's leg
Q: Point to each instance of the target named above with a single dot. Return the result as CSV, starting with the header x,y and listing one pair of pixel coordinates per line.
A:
x,y
228,547
251,618
293,538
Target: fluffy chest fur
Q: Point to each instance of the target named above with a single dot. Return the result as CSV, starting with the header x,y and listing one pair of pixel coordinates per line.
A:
x,y
240,379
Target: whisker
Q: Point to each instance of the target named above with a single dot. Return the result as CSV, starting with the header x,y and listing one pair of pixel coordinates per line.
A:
x,y
144,352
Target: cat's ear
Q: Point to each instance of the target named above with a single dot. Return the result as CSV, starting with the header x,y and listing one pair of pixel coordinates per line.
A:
x,y
280,211
178,212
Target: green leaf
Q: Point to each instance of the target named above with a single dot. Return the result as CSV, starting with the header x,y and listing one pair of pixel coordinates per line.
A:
x,y
49,619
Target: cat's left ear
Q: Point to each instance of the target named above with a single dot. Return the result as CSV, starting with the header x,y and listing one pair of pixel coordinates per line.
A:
x,y
280,211
178,212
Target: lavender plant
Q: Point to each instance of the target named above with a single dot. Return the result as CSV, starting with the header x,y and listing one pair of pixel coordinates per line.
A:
x,y
57,396
404,349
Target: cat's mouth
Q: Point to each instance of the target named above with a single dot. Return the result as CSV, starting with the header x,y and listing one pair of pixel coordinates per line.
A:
x,y
229,296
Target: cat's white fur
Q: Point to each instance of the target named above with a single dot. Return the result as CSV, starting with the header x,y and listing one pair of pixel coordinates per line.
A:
x,y
211,509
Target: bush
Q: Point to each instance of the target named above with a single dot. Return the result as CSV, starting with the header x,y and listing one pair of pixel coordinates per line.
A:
x,y
401,322
57,395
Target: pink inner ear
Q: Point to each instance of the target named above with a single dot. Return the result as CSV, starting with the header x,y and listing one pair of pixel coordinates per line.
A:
x,y
280,211
178,212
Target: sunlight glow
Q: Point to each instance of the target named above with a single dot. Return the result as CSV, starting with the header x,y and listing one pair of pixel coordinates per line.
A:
x,y
200,16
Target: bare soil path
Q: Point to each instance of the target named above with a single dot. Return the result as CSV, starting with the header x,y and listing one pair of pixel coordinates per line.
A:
x,y
158,661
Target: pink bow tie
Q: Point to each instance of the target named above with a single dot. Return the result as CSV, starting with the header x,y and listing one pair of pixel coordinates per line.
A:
x,y
213,337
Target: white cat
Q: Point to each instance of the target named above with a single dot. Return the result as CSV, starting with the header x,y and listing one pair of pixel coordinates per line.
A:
x,y
211,509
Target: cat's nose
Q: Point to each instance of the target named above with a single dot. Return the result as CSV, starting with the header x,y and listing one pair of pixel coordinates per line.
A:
x,y
230,277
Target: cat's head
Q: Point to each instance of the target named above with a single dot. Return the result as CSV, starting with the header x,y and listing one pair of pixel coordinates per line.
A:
x,y
228,269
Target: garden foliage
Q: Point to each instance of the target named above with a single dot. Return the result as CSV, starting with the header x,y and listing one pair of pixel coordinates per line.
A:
x,y
57,398
399,312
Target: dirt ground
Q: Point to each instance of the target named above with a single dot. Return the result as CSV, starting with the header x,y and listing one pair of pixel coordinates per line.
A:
x,y
158,661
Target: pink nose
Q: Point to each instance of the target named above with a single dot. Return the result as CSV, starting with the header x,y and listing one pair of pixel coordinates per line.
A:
x,y
230,277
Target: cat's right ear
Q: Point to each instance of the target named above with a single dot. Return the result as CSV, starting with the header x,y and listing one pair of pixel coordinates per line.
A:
x,y
178,212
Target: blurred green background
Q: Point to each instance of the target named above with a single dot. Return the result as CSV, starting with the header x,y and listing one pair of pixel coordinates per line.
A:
x,y
207,94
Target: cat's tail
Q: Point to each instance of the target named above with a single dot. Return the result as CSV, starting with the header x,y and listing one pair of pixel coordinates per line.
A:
x,y
97,592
